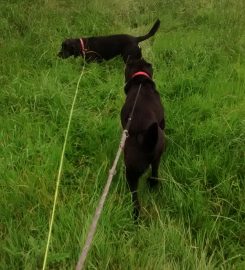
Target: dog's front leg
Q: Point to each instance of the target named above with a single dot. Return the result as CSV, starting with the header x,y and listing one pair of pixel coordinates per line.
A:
x,y
133,179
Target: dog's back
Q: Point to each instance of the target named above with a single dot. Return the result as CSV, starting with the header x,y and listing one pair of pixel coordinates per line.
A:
x,y
121,44
111,46
145,132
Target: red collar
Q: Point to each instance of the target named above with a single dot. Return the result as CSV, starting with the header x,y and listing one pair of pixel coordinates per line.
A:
x,y
141,73
82,45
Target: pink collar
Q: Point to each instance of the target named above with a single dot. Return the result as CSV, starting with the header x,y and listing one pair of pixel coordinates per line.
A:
x,y
142,73
82,45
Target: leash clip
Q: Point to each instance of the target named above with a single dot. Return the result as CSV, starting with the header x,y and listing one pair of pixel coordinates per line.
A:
x,y
112,172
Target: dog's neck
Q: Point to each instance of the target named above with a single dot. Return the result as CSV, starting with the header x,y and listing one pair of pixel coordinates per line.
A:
x,y
139,77
141,73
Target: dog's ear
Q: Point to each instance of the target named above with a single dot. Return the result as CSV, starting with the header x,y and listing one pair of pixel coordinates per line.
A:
x,y
145,63
148,67
129,68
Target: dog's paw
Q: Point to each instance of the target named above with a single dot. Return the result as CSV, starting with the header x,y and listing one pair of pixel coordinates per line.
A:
x,y
152,182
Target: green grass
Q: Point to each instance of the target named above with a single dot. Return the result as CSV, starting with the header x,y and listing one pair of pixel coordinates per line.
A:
x,y
196,219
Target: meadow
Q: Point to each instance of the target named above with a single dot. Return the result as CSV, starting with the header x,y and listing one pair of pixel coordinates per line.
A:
x,y
195,219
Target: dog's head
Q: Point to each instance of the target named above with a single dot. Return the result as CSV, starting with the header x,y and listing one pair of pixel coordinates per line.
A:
x,y
132,53
133,66
70,47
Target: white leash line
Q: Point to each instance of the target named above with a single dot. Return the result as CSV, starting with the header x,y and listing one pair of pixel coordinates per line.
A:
x,y
92,229
60,171
99,208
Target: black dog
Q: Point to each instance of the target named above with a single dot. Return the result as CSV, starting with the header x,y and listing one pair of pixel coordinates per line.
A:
x,y
146,140
106,47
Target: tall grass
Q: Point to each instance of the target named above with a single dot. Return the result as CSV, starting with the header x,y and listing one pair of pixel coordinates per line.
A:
x,y
195,219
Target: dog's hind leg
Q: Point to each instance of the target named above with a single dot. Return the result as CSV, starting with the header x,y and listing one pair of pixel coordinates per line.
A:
x,y
152,180
133,179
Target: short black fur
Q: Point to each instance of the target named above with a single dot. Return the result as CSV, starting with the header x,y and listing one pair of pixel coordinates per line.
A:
x,y
146,141
106,47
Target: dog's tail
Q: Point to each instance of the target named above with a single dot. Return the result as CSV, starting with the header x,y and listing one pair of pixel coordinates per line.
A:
x,y
151,32
150,137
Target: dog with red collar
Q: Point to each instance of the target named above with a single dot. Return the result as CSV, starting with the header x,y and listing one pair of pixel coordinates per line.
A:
x,y
106,47
146,142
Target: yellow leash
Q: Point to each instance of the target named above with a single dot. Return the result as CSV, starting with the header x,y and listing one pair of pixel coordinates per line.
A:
x,y
60,170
